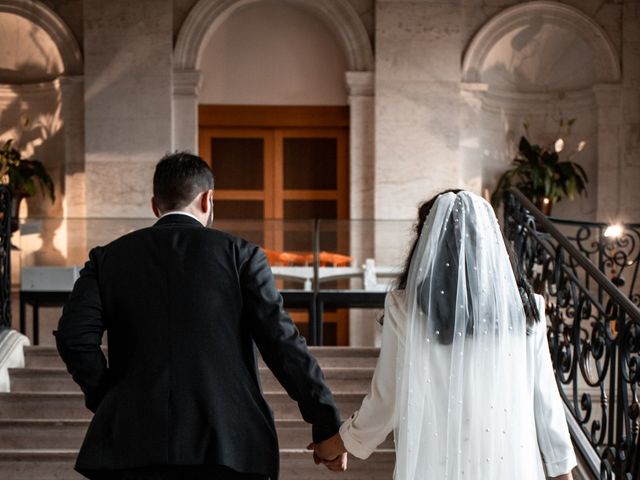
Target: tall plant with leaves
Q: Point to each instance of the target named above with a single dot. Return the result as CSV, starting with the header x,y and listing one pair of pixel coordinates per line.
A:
x,y
540,174
24,176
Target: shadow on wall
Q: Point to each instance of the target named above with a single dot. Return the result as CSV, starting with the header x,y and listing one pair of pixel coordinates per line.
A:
x,y
33,119
36,53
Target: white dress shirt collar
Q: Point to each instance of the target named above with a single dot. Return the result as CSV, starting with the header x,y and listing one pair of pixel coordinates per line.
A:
x,y
180,212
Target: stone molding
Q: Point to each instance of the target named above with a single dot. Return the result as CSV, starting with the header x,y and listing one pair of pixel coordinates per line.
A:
x,y
186,83
499,101
360,84
207,15
567,17
41,15
608,95
28,91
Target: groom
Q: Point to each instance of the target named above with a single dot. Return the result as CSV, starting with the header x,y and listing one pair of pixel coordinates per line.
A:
x,y
183,305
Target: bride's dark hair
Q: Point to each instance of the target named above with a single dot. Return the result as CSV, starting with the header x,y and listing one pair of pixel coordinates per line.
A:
x,y
524,287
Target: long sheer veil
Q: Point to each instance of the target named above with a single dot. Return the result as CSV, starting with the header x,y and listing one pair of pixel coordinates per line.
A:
x,y
463,403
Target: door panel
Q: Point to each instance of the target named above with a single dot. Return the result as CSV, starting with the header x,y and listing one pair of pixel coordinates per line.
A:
x,y
242,164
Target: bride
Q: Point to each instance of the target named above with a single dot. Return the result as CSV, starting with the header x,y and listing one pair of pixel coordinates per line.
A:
x,y
464,377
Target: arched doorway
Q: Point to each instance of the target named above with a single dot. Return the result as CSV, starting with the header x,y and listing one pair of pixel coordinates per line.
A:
x,y
340,18
41,110
269,79
542,63
41,99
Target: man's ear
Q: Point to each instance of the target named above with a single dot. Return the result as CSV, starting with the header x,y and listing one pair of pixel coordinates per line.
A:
x,y
204,201
154,207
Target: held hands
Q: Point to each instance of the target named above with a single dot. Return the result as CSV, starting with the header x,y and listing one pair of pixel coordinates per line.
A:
x,y
331,453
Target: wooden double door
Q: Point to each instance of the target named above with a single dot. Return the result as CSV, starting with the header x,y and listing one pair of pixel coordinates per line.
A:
x,y
274,173
278,169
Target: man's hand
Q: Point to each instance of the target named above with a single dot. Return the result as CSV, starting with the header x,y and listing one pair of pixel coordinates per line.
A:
x,y
566,476
331,453
339,464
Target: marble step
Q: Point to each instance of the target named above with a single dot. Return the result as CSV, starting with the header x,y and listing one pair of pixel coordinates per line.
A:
x,y
68,434
363,357
52,406
295,464
346,380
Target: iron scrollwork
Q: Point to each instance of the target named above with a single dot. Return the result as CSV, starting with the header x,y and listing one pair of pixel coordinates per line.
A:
x,y
617,256
594,332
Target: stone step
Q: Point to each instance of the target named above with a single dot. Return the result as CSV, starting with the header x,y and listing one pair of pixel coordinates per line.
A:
x,y
53,406
295,464
68,434
345,380
363,357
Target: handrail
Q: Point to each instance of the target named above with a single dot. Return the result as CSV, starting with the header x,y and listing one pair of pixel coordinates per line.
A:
x,y
548,227
590,223
595,345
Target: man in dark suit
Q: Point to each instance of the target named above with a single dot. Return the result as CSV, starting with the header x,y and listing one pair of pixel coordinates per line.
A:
x,y
183,306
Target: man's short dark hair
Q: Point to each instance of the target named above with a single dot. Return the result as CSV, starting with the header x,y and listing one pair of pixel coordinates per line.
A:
x,y
178,178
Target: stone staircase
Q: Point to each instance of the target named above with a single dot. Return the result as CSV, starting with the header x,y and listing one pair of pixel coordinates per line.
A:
x,y
43,418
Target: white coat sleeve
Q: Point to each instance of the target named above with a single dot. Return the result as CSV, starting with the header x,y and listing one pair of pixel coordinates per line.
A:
x,y
371,424
551,425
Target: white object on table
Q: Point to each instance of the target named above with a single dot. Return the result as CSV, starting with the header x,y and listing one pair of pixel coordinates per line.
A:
x,y
48,279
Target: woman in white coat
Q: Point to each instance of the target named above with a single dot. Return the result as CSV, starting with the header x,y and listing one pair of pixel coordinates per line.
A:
x,y
464,378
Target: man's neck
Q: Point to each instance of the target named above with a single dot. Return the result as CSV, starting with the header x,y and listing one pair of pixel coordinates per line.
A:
x,y
180,212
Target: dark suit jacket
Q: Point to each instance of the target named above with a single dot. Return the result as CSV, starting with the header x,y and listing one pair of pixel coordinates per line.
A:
x,y
183,306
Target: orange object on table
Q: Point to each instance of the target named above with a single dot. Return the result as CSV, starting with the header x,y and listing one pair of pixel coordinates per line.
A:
x,y
304,259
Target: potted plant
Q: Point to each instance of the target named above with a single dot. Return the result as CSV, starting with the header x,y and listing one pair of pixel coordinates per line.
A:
x,y
540,174
22,176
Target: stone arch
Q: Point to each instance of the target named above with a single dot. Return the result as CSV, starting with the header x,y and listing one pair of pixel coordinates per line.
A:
x,y
339,15
341,19
41,15
519,16
540,61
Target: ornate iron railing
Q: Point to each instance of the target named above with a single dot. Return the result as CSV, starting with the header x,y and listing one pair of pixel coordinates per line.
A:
x,y
5,257
614,249
594,339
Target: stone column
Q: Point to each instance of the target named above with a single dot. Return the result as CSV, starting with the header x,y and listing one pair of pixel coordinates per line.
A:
x,y
74,201
360,88
417,117
128,49
186,90
609,156
72,99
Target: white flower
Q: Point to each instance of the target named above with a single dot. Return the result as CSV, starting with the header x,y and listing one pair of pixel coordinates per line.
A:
x,y
581,145
559,145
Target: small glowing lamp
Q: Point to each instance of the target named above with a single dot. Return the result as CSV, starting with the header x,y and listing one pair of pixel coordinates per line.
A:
x,y
559,145
546,200
581,145
613,231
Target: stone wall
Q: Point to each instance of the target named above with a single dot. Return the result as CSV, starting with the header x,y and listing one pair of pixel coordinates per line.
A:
x,y
432,132
128,96
629,203
426,134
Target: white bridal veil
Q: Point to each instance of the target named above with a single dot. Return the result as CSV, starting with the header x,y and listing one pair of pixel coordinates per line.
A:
x,y
463,402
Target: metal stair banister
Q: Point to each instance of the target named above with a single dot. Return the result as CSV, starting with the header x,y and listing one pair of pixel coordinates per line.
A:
x,y
594,339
